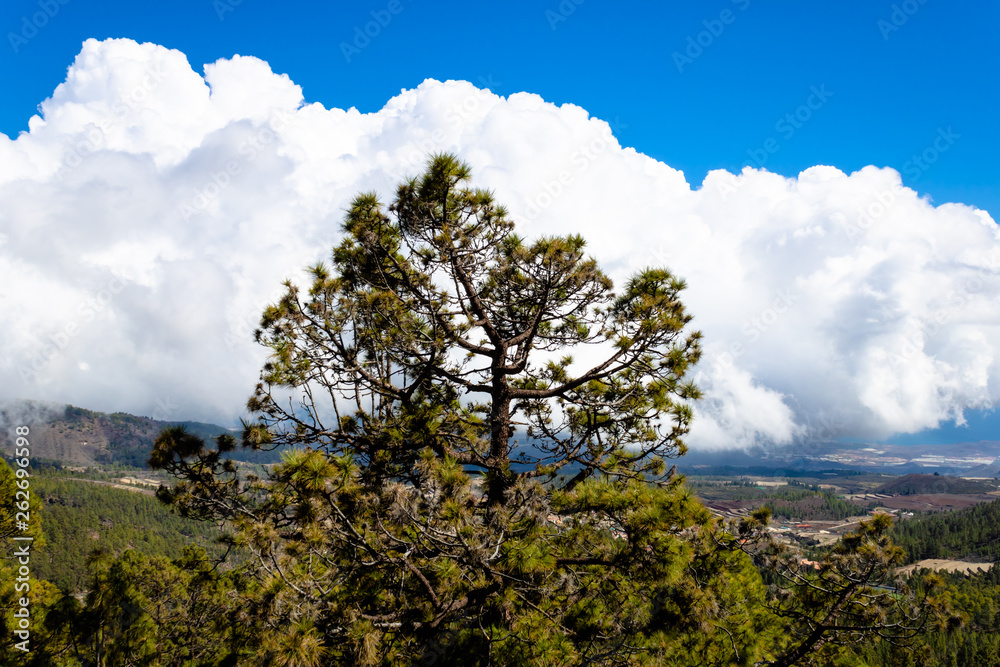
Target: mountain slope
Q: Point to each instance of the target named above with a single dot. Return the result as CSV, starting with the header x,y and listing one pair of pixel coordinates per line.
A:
x,y
923,484
79,516
972,534
80,437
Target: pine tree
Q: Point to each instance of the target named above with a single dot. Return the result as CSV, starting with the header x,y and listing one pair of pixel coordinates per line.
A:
x,y
21,541
852,597
146,610
477,429
461,486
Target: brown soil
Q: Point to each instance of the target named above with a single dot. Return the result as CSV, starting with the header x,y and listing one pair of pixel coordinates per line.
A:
x,y
941,564
936,502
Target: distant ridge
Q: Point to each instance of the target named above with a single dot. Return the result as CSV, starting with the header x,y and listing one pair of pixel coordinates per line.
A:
x,y
915,484
76,436
964,459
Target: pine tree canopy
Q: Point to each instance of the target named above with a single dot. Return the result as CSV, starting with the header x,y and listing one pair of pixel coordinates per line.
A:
x,y
478,428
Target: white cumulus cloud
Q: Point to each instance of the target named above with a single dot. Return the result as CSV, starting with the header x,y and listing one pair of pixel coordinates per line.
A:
x,y
150,212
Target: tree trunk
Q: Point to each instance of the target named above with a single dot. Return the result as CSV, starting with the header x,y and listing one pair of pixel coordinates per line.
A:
x,y
499,477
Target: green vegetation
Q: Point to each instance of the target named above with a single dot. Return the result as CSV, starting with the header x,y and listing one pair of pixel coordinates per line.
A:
x,y
972,533
404,533
405,527
817,505
851,597
82,516
925,484
144,610
793,502
81,437
972,639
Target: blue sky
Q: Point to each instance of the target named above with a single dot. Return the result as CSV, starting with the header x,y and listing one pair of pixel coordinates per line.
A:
x,y
894,85
782,86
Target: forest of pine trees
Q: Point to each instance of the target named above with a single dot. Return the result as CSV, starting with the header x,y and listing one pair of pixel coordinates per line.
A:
x,y
138,536
81,517
970,534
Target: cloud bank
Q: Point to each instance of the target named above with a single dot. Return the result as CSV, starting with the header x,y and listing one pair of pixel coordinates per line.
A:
x,y
150,212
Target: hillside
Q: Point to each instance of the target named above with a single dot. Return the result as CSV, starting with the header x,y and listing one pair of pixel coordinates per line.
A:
x,y
80,516
79,437
909,485
972,533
